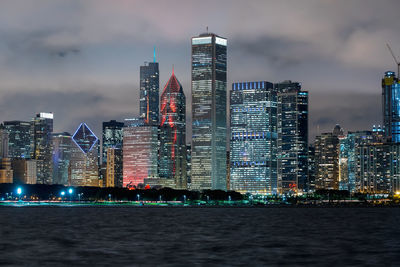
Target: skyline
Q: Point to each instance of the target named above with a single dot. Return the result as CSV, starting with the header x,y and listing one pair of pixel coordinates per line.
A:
x,y
89,65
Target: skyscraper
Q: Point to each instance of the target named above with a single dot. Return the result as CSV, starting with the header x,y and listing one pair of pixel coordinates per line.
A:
x,y
254,135
84,158
391,106
4,139
209,65
327,159
112,139
172,156
149,93
292,137
41,149
62,150
19,144
140,152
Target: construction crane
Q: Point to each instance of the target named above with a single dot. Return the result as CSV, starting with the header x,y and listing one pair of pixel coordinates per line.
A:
x,y
395,59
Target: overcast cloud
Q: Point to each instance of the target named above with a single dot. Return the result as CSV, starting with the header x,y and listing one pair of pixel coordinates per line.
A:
x,y
80,59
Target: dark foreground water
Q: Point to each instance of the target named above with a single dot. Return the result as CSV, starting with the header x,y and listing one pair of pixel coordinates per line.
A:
x,y
129,236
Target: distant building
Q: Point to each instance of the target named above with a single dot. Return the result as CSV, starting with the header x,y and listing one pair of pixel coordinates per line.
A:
x,y
24,171
19,144
292,137
172,152
140,152
327,159
84,168
112,138
41,149
3,142
189,164
209,66
254,134
378,168
6,172
311,168
114,176
348,157
391,106
149,93
62,151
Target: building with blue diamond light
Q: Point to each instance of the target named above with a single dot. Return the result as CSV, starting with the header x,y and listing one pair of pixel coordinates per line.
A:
x,y
84,168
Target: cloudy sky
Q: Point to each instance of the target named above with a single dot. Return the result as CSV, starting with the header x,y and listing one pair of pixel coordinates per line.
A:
x,y
80,59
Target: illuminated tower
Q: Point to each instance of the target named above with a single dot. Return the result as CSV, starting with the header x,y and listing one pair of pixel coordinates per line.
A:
x,y
254,137
41,149
209,63
391,106
84,158
292,137
172,156
149,92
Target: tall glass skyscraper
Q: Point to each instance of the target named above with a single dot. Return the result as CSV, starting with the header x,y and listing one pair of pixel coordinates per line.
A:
x,y
172,156
42,146
292,137
253,145
391,106
209,65
149,93
19,141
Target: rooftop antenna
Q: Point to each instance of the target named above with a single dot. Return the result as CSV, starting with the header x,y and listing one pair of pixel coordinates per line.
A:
x,y
154,54
207,28
395,59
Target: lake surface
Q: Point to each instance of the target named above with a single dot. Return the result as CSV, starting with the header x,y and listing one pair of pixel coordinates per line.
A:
x,y
148,236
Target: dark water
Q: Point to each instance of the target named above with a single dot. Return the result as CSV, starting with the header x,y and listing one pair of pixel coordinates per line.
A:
x,y
126,236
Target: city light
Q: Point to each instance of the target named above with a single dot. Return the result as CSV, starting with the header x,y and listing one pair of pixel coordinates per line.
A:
x,y
62,193
19,190
70,191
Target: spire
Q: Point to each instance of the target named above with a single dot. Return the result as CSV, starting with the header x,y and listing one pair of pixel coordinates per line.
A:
x,y
154,54
173,72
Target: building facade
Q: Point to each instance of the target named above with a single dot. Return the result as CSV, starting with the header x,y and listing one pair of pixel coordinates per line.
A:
x,y
292,137
24,171
41,148
327,150
19,144
62,150
172,152
112,139
113,176
140,153
209,65
253,144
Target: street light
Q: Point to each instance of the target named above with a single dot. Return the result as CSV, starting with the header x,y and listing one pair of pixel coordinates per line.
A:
x,y
19,192
70,191
138,197
62,194
184,198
